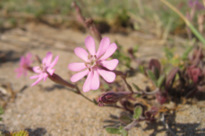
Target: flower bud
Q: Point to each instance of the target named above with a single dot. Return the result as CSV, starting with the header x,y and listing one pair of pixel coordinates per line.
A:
x,y
194,73
161,97
111,97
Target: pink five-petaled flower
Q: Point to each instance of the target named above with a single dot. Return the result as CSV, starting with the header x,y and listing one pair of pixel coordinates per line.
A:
x,y
45,70
25,63
95,64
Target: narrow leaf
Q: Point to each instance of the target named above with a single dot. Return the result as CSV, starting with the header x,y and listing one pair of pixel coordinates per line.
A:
x,y
136,87
171,77
168,53
141,69
113,130
20,133
1,110
187,51
152,76
137,113
124,132
160,81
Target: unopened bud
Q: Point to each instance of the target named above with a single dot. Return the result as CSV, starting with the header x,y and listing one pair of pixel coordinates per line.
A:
x,y
161,97
111,97
194,73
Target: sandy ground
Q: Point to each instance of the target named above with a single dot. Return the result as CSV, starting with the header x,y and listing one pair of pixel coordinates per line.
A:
x,y
51,110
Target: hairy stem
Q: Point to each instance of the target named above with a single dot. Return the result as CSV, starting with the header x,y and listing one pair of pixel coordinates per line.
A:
x,y
123,76
87,23
57,79
79,92
128,86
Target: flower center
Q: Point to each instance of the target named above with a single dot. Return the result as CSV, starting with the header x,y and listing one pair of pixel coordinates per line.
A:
x,y
92,61
43,68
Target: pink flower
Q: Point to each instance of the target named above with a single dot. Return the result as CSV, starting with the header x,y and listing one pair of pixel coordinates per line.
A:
x,y
25,63
45,70
95,64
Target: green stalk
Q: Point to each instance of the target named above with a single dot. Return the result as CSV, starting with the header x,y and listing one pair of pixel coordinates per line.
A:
x,y
188,23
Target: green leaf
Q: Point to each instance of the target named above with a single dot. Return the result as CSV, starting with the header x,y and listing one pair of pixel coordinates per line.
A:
x,y
1,110
187,51
137,112
123,131
141,69
168,53
125,119
152,76
160,81
113,130
136,48
20,133
136,87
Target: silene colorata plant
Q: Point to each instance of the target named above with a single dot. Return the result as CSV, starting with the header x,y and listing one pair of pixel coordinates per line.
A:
x,y
184,79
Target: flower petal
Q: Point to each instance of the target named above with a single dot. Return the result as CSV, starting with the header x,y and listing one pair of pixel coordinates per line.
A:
x,y
81,53
37,81
47,59
50,71
110,64
111,49
37,69
28,59
107,75
104,44
44,75
88,81
76,66
76,77
28,55
19,71
90,45
95,83
54,62
35,76
22,61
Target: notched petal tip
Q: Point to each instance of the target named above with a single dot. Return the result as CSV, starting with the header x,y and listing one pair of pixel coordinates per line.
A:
x,y
104,44
48,58
54,62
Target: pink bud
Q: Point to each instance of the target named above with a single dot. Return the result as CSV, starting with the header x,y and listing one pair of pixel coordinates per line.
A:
x,y
111,97
161,97
194,73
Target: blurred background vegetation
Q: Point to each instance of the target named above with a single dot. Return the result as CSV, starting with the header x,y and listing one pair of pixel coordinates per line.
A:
x,y
110,15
